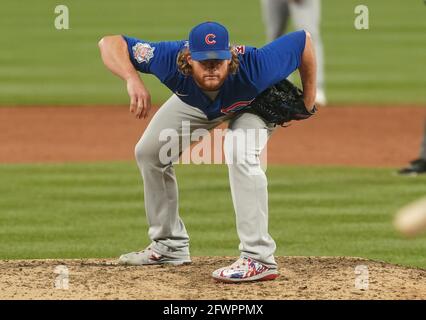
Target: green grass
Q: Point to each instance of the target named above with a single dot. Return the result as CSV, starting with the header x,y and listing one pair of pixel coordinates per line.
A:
x,y
41,65
96,210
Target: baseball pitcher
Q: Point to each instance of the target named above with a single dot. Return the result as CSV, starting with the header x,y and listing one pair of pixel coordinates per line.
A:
x,y
212,82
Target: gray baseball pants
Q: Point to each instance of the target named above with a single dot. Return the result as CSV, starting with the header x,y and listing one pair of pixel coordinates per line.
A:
x,y
247,180
305,14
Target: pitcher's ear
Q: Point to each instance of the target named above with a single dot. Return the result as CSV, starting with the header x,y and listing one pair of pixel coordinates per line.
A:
x,y
189,59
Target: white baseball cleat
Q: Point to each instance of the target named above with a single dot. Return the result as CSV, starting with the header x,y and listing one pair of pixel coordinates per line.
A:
x,y
245,269
150,257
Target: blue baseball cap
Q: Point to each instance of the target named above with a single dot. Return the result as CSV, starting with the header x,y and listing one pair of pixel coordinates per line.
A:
x,y
209,40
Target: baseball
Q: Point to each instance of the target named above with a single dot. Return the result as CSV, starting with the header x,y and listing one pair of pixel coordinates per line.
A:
x,y
410,220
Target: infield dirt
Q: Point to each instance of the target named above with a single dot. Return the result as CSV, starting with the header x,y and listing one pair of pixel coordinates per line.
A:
x,y
351,135
301,278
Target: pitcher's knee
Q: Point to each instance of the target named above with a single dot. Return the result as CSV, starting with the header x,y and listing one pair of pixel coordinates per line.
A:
x,y
239,149
233,150
156,154
144,153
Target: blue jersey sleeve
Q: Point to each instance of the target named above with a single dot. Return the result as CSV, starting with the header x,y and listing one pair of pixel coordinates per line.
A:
x,y
157,58
276,60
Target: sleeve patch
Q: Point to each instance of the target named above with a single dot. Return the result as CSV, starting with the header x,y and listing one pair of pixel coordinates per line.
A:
x,y
143,52
240,49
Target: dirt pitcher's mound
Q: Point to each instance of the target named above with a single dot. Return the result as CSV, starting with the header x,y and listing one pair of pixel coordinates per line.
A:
x,y
301,278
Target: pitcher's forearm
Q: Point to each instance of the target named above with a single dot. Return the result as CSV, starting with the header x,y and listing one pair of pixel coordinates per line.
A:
x,y
308,73
116,57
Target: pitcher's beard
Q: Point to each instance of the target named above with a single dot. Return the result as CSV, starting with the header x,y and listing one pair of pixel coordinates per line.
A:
x,y
209,85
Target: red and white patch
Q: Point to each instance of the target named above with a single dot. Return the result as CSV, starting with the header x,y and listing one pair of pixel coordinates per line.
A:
x,y
210,38
240,49
143,52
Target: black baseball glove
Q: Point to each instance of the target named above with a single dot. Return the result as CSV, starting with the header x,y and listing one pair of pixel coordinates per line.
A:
x,y
281,103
